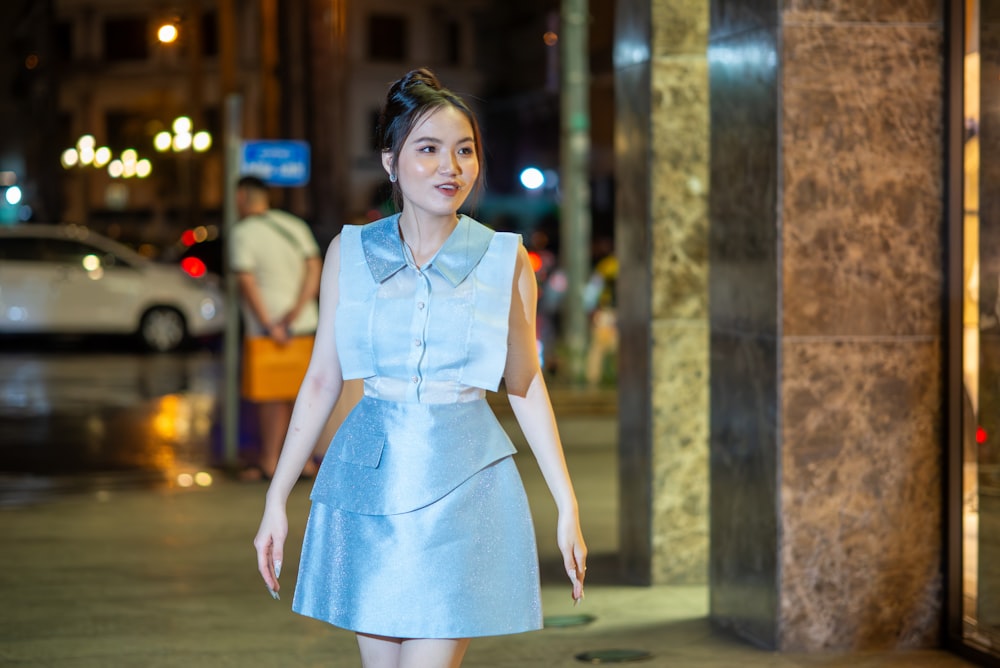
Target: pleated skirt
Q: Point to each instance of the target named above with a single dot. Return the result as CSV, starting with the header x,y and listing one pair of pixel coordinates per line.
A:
x,y
464,566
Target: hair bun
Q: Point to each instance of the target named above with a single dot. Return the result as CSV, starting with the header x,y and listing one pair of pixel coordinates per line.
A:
x,y
417,77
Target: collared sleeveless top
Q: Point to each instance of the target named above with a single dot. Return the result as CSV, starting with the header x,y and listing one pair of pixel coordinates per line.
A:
x,y
427,334
428,343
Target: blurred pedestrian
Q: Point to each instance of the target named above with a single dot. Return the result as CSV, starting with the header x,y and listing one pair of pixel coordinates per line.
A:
x,y
420,535
603,343
550,280
277,264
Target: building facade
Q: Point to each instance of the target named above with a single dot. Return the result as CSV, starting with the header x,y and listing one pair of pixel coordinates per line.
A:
x,y
806,231
303,70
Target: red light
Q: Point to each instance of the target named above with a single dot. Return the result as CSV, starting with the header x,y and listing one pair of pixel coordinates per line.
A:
x,y
194,267
188,238
536,261
980,435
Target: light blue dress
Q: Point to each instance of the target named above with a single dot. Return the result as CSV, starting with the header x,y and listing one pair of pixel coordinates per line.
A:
x,y
420,527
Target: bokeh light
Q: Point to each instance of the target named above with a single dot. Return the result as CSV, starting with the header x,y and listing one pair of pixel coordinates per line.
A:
x,y
532,178
167,33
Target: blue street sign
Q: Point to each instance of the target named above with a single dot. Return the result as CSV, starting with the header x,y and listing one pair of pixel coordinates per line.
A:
x,y
276,162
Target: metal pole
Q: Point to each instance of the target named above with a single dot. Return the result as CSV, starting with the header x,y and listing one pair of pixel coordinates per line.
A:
x,y
231,343
574,156
232,139
192,167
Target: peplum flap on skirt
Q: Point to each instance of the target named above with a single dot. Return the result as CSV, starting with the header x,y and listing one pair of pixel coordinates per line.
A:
x,y
394,457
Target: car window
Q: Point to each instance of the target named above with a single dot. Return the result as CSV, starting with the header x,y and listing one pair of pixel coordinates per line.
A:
x,y
67,251
21,249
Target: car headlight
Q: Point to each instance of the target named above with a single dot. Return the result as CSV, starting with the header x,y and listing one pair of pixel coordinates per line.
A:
x,y
208,308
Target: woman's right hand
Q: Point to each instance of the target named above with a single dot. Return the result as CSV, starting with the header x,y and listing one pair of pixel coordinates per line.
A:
x,y
270,546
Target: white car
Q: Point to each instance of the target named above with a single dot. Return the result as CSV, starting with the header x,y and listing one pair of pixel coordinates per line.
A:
x,y
66,279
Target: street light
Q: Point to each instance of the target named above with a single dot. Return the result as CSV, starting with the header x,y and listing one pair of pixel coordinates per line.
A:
x,y
130,165
86,153
180,137
167,33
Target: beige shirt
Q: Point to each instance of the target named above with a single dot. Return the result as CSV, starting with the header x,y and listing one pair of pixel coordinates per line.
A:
x,y
278,263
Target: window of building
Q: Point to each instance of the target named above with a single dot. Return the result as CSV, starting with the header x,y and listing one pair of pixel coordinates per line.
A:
x,y
127,130
451,43
126,38
974,326
62,46
210,34
388,38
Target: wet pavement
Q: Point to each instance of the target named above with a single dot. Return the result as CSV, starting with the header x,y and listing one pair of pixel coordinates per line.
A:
x,y
71,413
128,546
72,420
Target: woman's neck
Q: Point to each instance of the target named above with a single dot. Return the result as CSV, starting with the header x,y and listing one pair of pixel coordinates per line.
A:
x,y
425,236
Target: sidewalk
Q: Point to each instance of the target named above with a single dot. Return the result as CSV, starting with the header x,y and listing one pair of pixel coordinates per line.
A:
x,y
166,577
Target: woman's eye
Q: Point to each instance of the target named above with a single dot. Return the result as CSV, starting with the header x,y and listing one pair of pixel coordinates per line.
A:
x,y
466,150
426,149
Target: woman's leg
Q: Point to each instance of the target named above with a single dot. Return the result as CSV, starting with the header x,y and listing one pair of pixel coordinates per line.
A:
x,y
383,652
378,651
432,653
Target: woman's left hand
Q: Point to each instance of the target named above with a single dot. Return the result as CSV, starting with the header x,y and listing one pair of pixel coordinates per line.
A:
x,y
574,551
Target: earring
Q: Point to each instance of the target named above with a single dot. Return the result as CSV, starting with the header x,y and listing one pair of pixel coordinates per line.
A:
x,y
392,178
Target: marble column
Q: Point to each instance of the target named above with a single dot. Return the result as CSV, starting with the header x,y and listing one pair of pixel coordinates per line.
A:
x,y
826,254
661,78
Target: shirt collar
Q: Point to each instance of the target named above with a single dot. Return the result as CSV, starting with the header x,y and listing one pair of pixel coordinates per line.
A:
x,y
455,260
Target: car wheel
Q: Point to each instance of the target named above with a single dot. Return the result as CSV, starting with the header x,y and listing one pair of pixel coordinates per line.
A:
x,y
162,329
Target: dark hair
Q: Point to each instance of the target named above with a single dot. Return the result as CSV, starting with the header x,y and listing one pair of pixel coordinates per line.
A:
x,y
409,100
251,182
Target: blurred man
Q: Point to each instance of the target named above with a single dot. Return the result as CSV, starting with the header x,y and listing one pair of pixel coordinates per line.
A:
x,y
277,265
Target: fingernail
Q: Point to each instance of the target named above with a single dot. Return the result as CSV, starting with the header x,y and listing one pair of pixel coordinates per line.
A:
x,y
277,569
274,594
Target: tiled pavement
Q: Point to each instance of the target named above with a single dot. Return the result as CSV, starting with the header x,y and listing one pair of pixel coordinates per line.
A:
x,y
160,576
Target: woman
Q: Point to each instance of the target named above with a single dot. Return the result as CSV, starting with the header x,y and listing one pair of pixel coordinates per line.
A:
x,y
419,536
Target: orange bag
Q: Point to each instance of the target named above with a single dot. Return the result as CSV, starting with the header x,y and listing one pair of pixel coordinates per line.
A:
x,y
273,372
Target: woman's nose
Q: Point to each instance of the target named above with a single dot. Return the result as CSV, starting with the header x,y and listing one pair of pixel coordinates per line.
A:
x,y
449,165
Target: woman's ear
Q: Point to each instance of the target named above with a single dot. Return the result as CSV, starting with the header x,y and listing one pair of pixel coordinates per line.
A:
x,y
387,163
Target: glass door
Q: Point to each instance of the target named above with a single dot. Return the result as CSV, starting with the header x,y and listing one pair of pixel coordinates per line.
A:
x,y
975,462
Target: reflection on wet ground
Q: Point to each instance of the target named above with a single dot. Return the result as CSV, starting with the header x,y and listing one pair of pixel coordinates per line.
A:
x,y
116,418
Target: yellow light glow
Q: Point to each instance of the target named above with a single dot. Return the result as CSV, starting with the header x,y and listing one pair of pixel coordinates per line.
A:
x,y
70,158
202,141
203,479
185,480
162,141
182,142
85,142
116,169
143,168
91,262
102,156
167,33
86,156
182,125
130,156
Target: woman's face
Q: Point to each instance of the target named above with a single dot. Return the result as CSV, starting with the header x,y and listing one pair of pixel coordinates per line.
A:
x,y
437,166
